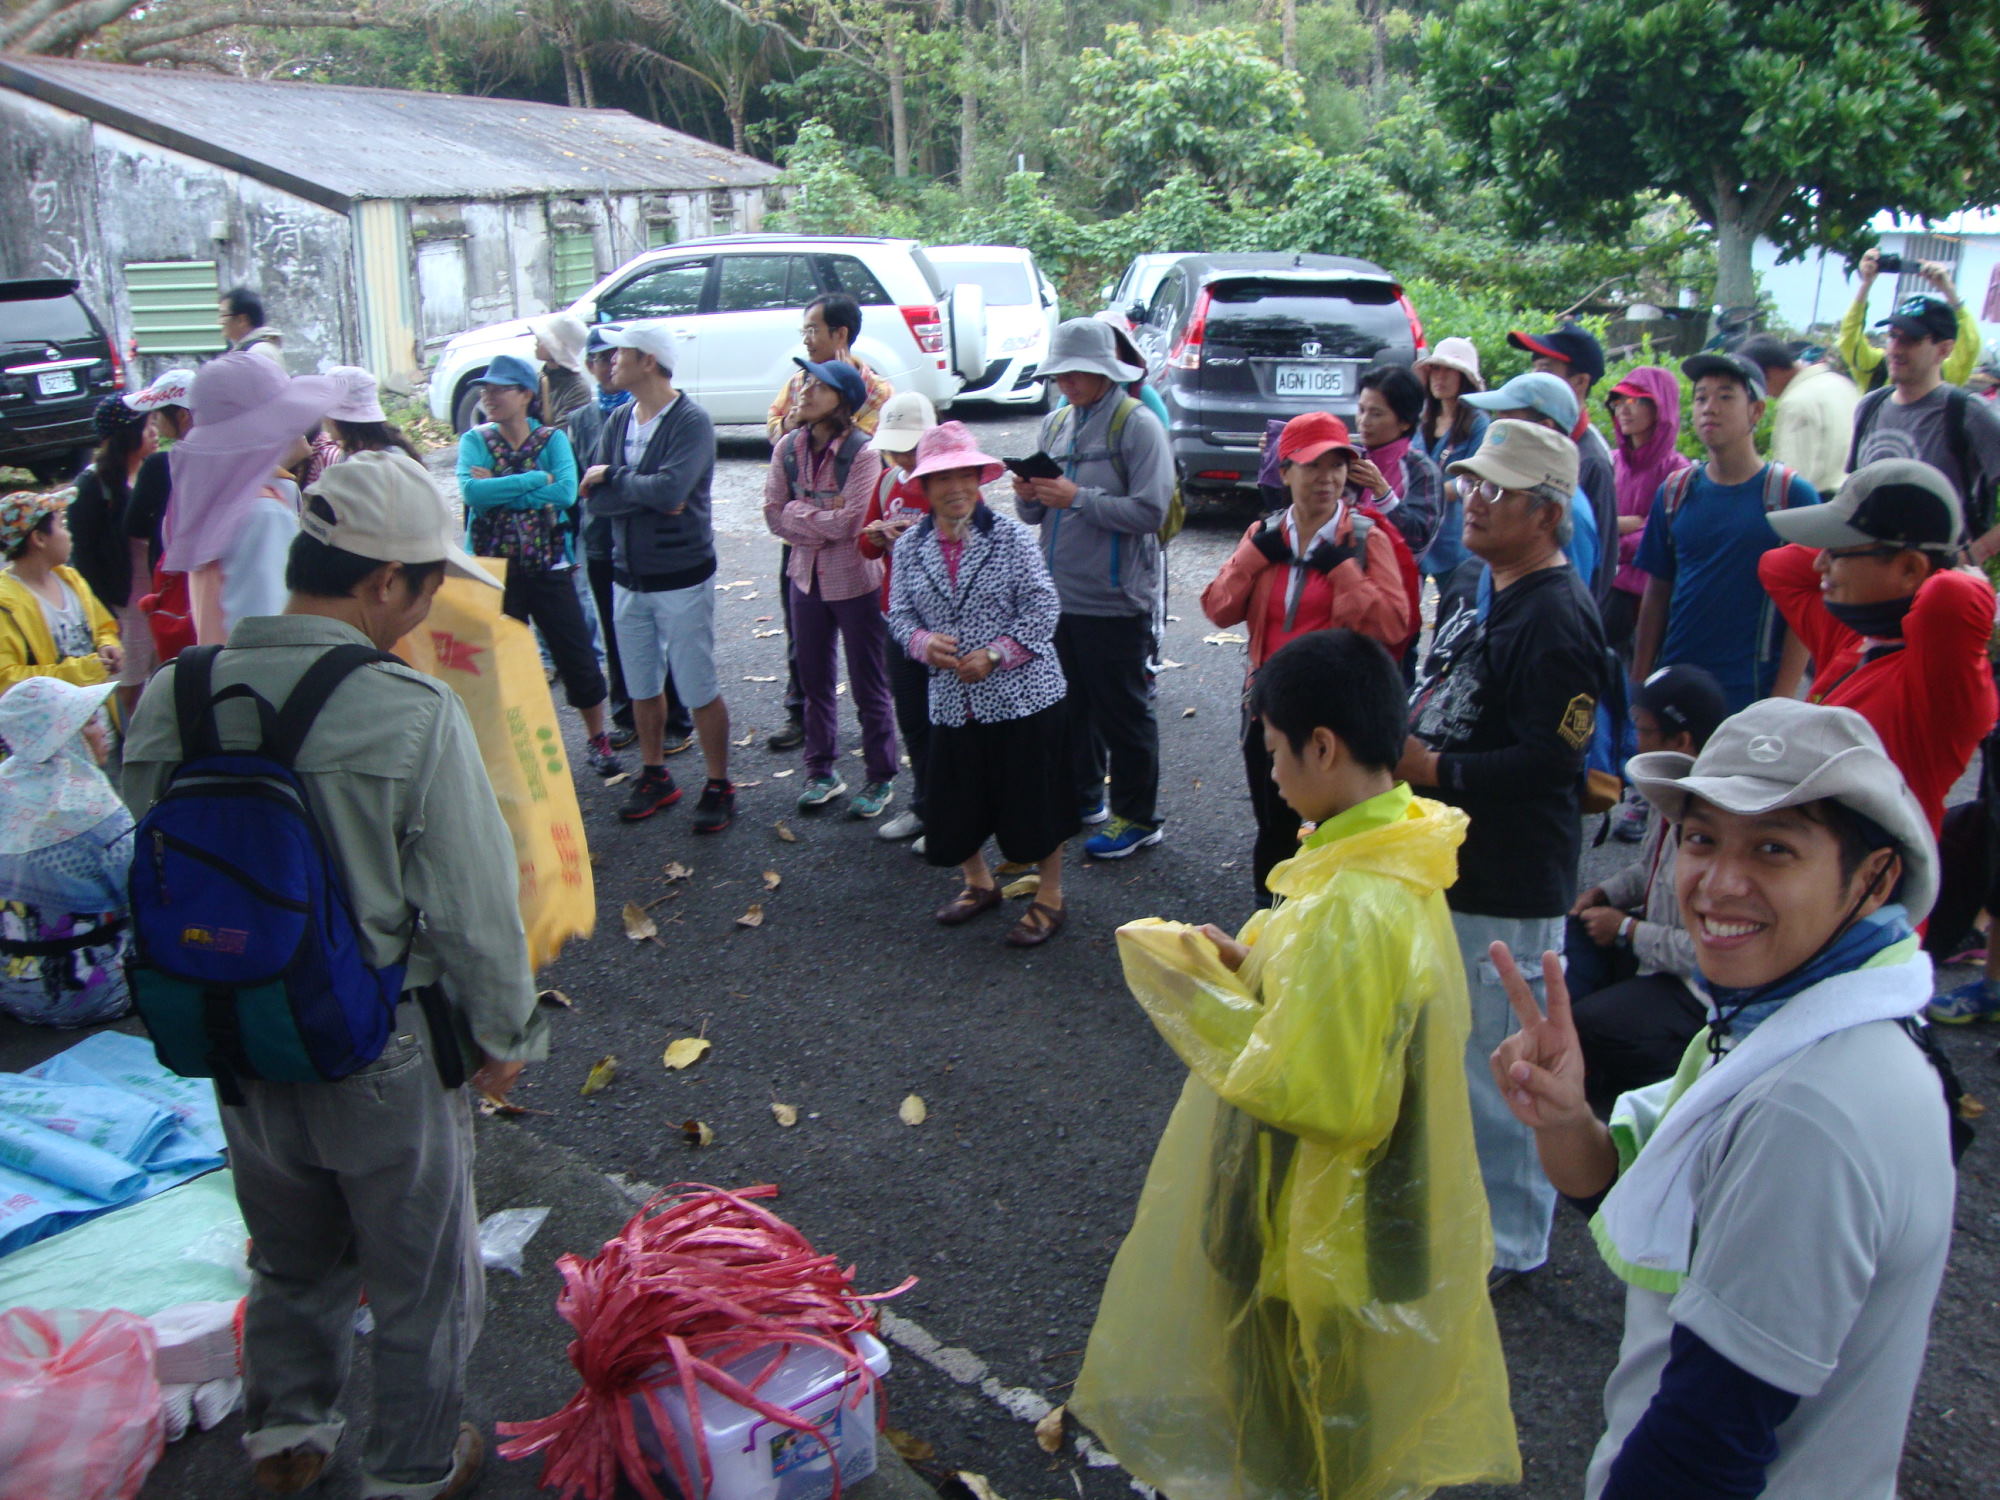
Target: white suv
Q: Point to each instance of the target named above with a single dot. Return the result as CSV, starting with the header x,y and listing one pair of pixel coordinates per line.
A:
x,y
1022,313
735,302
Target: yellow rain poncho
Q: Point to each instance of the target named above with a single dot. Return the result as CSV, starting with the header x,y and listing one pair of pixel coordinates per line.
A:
x,y
1300,1309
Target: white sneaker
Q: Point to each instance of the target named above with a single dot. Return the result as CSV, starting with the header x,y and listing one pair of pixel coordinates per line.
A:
x,y
903,826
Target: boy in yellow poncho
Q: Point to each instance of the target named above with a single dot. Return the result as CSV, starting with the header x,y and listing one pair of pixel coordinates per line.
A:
x,y
1300,1309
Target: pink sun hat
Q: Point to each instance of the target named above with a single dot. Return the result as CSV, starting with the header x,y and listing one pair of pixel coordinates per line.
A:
x,y
949,446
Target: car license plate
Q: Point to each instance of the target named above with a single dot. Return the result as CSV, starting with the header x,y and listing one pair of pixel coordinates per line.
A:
x,y
56,383
1312,380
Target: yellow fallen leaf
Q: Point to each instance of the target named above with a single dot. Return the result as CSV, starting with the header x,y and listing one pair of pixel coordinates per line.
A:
x,y
621,776
909,1446
753,917
912,1111
780,775
977,1484
639,926
1216,638
764,635
785,832
685,1052
600,1075
772,880
556,997
1188,712
676,871
787,1114
1027,885
748,739
1049,1431
697,1133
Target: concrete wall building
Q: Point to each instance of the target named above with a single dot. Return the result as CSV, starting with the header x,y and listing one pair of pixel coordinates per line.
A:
x,y
375,223
1817,290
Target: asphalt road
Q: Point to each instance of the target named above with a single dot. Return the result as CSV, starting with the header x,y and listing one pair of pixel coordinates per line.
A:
x,y
1046,1088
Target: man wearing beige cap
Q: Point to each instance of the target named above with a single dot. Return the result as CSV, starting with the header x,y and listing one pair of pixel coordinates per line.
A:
x,y
366,1181
1503,713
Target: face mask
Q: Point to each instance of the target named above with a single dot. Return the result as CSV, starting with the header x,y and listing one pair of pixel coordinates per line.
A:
x,y
1881,620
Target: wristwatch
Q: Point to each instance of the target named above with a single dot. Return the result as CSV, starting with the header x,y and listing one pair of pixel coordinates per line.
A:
x,y
993,656
1625,931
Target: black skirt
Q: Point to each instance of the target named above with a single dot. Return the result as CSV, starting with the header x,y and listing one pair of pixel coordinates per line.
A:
x,y
1009,781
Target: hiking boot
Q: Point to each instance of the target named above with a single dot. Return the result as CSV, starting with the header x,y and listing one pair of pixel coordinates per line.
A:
x,y
651,792
602,760
716,809
871,799
790,737
820,790
1977,1001
905,825
1119,838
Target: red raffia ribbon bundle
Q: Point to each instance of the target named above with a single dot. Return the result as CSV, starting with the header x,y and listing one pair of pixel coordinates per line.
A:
x,y
676,1296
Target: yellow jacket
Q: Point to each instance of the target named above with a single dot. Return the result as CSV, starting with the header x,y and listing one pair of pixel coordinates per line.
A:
x,y
1862,357
1300,1309
28,647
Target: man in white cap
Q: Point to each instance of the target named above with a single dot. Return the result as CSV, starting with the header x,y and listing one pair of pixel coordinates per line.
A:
x,y
1503,713
169,401
1780,1209
1100,524
367,1181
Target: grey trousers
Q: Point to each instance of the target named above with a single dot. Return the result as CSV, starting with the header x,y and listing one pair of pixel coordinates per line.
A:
x,y
362,1184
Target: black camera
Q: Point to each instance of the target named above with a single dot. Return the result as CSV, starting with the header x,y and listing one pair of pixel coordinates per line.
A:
x,y
1889,263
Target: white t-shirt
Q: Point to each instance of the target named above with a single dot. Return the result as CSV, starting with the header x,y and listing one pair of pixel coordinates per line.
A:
x,y
639,434
253,574
69,625
1823,1210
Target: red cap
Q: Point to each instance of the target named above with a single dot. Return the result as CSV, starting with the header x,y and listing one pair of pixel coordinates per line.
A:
x,y
1317,432
1631,388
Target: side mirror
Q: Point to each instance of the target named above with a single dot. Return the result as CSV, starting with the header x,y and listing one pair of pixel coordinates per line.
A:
x,y
1136,313
1104,294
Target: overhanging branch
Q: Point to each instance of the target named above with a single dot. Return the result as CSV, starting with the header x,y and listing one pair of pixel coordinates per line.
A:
x,y
223,17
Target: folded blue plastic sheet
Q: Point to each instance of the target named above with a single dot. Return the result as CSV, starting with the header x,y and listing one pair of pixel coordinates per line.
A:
x,y
95,1127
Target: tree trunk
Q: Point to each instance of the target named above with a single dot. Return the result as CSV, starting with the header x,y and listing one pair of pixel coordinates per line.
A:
x,y
1288,30
589,83
1735,235
968,102
572,91
736,105
899,109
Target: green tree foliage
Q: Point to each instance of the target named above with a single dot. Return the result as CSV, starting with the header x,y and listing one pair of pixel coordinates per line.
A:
x,y
1798,121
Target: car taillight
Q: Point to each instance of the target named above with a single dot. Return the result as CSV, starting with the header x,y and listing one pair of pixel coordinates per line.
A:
x,y
117,368
1186,353
926,326
1416,323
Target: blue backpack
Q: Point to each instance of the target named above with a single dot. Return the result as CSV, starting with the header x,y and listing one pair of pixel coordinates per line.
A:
x,y
247,962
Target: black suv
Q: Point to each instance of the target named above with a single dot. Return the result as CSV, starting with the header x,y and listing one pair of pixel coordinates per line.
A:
x,y
56,364
1232,341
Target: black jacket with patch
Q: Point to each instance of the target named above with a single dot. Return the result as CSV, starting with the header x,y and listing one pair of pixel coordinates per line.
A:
x,y
1510,704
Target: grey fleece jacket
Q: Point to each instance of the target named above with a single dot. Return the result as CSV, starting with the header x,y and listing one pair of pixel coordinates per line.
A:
x,y
1659,942
661,533
1103,551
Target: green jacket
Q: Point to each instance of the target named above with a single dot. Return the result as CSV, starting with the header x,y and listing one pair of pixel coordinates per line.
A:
x,y
1862,357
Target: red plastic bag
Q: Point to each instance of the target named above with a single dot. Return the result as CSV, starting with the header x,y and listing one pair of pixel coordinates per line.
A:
x,y
79,1405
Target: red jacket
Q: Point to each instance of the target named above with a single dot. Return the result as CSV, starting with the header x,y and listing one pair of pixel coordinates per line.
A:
x,y
1933,701
1250,590
905,493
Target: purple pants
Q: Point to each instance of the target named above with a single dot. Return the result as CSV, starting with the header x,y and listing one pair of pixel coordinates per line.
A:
x,y
818,626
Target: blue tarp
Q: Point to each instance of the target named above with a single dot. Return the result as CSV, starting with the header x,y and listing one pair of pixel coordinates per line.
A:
x,y
97,1126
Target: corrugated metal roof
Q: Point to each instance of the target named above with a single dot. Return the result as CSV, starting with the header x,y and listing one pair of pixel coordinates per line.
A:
x,y
331,142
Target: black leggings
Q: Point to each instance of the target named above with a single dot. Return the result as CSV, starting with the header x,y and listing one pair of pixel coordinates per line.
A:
x,y
549,601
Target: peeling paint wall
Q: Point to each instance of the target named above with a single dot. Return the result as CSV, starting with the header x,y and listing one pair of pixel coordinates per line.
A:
x,y
46,174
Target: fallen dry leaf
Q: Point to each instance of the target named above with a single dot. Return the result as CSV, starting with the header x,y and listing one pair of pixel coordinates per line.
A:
x,y
743,583
488,1105
764,635
909,1447
748,739
697,1133
780,775
753,917
556,997
977,1484
1168,666
743,785
785,832
912,1111
746,597
675,870
1216,638
621,776
753,677
839,688
787,1114
765,619
1049,1431
1188,712
639,926
772,880
685,1052
1027,885
600,1075
1173,619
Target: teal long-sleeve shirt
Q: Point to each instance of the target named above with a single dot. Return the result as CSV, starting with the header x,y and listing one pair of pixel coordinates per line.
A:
x,y
551,483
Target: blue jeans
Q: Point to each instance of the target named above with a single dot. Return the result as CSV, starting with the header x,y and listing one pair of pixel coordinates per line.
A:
x,y
1518,1193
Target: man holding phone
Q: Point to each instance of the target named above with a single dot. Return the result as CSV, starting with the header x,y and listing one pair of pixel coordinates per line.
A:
x,y
1099,518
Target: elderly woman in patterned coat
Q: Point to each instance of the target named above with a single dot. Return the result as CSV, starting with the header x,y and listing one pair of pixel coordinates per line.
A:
x,y
971,599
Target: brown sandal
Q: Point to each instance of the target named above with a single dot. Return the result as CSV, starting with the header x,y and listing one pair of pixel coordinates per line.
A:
x,y
1037,925
968,904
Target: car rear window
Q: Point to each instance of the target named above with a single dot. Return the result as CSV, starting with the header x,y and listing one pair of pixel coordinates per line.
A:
x,y
844,273
1005,282
1251,293
44,320
1349,319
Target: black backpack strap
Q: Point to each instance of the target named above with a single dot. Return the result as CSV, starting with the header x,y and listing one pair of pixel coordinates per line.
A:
x,y
284,740
194,708
1864,420
1962,1132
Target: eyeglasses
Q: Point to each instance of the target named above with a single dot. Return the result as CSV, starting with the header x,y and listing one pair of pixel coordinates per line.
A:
x,y
1485,491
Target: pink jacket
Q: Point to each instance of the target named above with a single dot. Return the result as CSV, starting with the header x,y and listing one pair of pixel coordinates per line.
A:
x,y
821,522
1639,472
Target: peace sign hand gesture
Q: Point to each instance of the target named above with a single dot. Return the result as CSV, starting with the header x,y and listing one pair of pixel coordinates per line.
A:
x,y
1539,1069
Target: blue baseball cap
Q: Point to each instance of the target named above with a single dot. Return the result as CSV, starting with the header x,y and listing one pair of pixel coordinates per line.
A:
x,y
1535,391
510,369
843,377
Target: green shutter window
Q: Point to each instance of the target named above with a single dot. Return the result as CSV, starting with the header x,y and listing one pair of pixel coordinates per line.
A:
x,y
173,306
659,232
575,259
